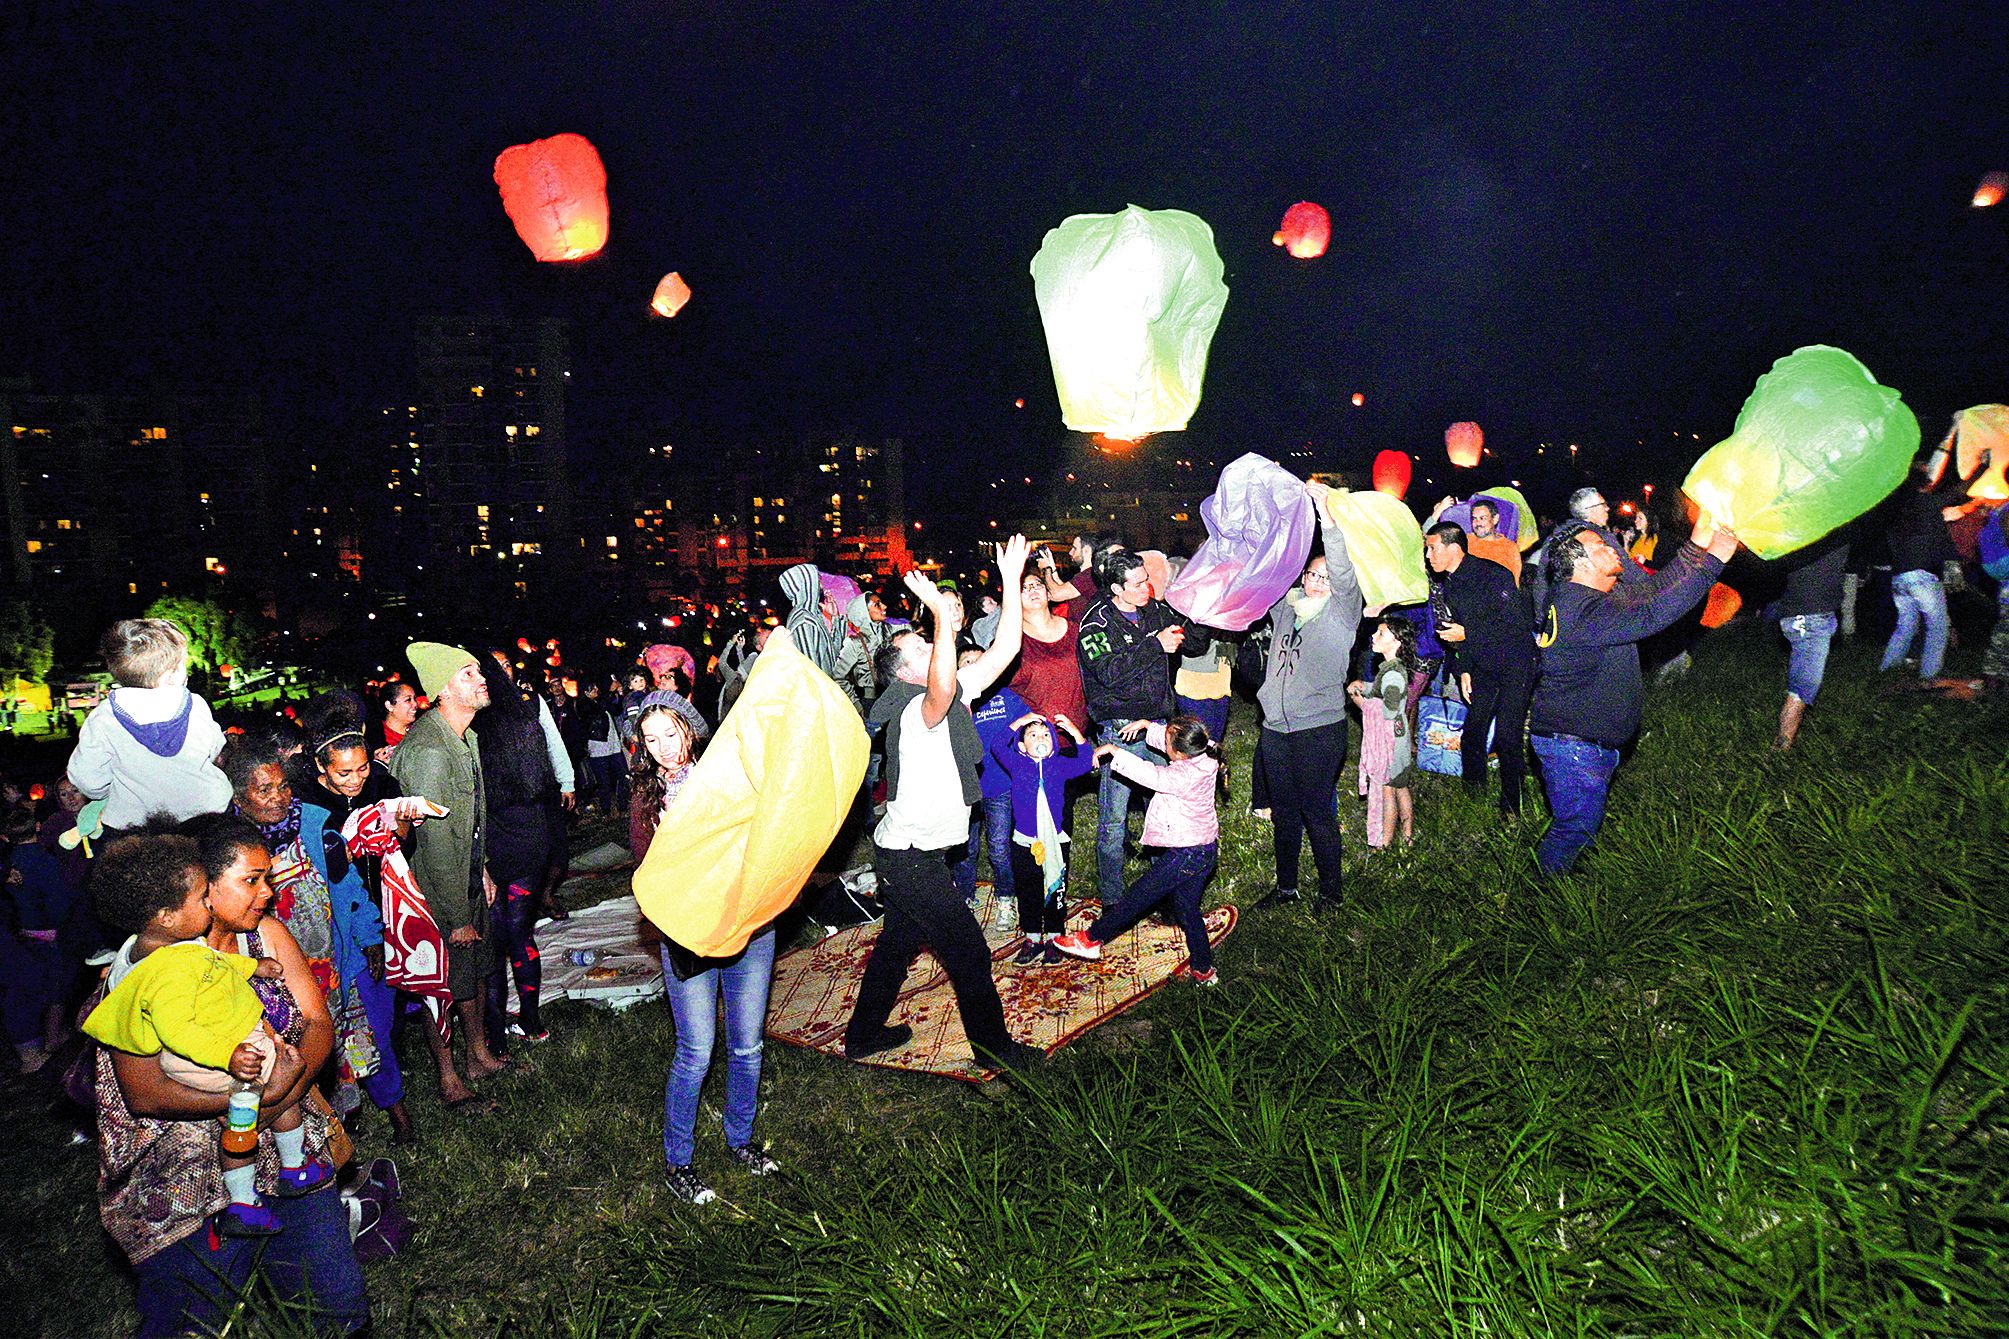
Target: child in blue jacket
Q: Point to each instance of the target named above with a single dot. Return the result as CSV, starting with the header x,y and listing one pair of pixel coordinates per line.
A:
x,y
1039,775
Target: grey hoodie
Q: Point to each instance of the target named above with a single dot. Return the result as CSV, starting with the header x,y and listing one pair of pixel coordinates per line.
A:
x,y
855,656
803,586
1304,685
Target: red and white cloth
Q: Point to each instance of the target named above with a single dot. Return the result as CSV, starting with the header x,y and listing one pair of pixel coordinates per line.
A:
x,y
414,950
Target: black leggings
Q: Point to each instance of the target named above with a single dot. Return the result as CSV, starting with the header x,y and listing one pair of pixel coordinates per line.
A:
x,y
513,922
1303,771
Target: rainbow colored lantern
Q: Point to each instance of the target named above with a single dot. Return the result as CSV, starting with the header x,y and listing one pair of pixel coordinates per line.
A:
x,y
1306,231
556,193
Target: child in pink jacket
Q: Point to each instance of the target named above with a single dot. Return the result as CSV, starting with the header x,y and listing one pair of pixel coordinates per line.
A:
x,y
1182,823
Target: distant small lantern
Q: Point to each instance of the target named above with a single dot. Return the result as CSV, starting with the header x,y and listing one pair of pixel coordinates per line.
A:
x,y
1306,231
1358,399
1721,606
556,193
1464,443
671,295
1392,472
1991,190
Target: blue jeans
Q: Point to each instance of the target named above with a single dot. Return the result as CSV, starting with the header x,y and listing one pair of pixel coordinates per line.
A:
x,y
990,830
1180,873
695,1006
1577,774
192,1284
1112,814
386,1087
1919,597
1808,635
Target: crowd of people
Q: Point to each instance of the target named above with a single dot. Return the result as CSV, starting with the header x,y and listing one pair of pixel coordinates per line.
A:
x,y
272,908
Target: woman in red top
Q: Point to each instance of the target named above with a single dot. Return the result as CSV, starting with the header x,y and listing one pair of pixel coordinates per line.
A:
x,y
1049,671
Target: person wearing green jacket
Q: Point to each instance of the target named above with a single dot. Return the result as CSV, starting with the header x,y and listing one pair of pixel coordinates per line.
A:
x,y
440,759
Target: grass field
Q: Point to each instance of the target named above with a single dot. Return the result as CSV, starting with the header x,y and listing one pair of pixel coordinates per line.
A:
x,y
1744,1074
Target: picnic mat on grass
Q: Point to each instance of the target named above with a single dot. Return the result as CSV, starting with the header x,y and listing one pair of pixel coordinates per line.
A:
x,y
1046,1007
626,973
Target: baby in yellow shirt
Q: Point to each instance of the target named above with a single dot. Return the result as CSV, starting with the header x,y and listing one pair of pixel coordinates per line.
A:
x,y
168,993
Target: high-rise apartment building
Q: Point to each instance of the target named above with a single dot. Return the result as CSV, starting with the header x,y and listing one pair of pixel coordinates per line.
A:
x,y
104,496
489,470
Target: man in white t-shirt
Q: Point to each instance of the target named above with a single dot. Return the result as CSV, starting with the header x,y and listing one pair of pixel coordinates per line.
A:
x,y
931,759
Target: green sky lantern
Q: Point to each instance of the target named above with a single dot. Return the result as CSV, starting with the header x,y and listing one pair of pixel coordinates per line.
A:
x,y
1130,302
1818,444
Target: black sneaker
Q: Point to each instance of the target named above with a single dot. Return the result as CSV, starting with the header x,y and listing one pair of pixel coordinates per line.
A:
x,y
685,1184
859,1046
1018,1058
1029,952
756,1162
1282,897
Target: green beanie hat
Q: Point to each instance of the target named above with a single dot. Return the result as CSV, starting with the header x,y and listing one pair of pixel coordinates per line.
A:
x,y
436,662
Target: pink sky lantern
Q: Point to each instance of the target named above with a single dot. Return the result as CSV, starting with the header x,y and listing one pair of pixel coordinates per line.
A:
x,y
1306,231
1464,442
1392,472
671,295
556,193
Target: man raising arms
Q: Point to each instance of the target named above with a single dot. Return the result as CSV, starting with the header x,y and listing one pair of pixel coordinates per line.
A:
x,y
931,781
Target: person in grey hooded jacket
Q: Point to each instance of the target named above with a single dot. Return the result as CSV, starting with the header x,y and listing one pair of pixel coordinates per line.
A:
x,y
1303,698
811,614
864,634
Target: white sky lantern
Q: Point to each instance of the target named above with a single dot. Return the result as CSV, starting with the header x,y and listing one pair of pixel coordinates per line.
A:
x,y
1130,302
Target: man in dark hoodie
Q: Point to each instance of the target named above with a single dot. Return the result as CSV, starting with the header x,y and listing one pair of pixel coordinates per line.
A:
x,y
1127,641
812,615
932,751
1303,698
1589,699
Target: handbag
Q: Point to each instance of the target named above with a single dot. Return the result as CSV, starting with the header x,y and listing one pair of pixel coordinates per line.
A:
x,y
341,1148
1440,735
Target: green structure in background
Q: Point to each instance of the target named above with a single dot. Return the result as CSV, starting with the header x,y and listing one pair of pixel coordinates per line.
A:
x,y
1130,302
1818,444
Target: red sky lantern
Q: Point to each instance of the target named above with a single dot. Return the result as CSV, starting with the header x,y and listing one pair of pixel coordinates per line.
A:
x,y
671,295
1358,399
1721,606
1391,473
1306,231
1991,190
556,193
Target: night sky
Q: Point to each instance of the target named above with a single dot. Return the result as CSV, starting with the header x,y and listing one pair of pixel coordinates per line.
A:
x,y
1566,222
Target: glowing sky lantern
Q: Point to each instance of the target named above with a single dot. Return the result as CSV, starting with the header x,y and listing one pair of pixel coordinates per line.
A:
x,y
1980,436
1991,190
1130,302
1306,231
1464,442
671,295
1818,444
1721,606
1358,399
1392,472
556,193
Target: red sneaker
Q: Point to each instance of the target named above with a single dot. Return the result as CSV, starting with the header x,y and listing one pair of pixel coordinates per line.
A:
x,y
1078,945
1210,977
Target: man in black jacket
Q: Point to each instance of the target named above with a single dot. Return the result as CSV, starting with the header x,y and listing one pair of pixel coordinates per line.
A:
x,y
1492,644
1127,640
1588,702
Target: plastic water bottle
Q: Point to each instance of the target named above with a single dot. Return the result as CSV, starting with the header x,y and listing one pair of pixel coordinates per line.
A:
x,y
583,957
240,1131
